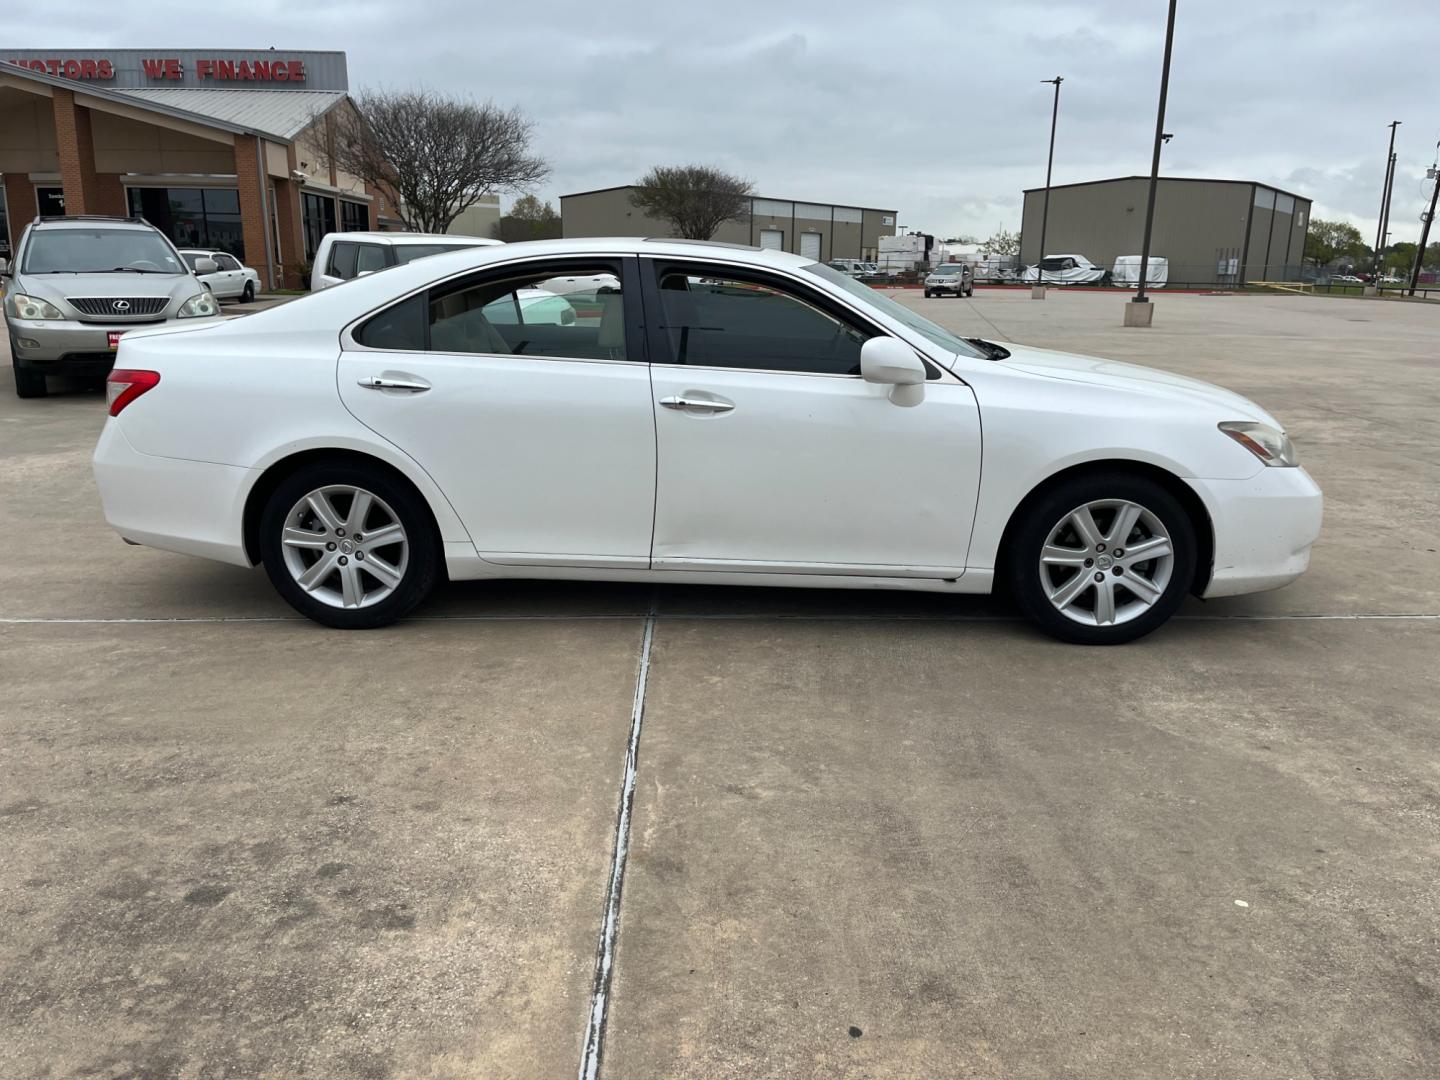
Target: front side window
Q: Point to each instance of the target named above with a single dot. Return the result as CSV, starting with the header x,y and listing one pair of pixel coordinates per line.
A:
x,y
715,320
932,332
370,258
517,315
98,251
225,262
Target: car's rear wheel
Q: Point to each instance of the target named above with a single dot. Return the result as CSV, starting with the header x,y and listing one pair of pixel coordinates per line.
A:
x,y
29,383
247,294
349,546
1103,559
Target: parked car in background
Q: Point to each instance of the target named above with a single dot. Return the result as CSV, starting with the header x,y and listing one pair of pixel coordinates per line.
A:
x,y
758,418
1346,279
958,279
853,268
230,280
1064,270
78,283
343,256
1126,273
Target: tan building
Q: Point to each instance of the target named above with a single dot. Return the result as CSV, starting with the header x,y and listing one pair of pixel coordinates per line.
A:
x,y
1211,231
819,231
217,149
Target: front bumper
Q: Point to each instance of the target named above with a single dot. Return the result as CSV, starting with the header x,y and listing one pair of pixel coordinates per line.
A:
x,y
1264,527
67,346
193,507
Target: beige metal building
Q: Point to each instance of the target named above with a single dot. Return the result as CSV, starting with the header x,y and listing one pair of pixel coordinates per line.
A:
x,y
1218,232
820,231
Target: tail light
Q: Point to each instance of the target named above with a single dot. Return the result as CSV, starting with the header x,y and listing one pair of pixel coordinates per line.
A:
x,y
125,385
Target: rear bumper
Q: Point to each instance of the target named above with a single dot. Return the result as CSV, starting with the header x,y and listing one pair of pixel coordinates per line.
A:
x,y
192,507
1264,527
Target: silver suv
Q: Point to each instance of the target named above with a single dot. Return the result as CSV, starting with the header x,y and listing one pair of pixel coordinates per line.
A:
x,y
77,283
957,278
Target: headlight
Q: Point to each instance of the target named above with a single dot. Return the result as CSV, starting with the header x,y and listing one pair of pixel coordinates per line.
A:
x,y
32,307
1269,444
198,305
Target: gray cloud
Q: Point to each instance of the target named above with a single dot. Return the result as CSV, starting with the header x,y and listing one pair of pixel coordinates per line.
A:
x,y
935,109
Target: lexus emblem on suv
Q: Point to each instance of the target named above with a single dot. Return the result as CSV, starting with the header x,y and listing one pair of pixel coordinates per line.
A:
x,y
121,305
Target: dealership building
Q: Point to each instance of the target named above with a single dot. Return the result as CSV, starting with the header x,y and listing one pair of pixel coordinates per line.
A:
x,y
221,149
1212,232
819,231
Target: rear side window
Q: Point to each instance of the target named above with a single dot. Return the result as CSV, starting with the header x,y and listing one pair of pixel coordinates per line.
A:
x,y
580,315
403,326
371,258
342,261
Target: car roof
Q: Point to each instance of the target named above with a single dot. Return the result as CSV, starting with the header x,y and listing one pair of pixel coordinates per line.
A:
x,y
91,223
414,238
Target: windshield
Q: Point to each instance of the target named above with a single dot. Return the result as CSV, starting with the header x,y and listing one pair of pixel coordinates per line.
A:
x,y
949,268
899,312
191,258
405,253
83,251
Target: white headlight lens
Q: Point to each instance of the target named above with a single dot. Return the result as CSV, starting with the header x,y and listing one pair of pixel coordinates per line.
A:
x,y
1269,444
32,307
198,305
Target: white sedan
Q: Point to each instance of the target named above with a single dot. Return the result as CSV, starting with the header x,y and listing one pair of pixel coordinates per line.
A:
x,y
231,279
725,415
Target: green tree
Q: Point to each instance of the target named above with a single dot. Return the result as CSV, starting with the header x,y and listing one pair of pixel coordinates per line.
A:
x,y
1399,258
1327,241
694,199
528,219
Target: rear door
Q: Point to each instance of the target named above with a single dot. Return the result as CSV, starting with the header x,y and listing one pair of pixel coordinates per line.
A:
x,y
541,434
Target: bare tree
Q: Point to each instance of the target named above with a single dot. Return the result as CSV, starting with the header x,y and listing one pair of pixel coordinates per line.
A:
x,y
432,156
695,199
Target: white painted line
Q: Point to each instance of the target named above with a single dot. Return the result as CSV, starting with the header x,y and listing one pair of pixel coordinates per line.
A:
x,y
605,951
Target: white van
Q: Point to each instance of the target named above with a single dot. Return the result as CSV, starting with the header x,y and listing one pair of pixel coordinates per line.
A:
x,y
346,255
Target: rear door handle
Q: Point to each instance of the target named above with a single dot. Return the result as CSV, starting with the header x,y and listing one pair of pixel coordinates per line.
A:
x,y
689,404
378,382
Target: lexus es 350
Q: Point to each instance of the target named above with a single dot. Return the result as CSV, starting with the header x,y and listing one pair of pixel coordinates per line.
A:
x,y
709,414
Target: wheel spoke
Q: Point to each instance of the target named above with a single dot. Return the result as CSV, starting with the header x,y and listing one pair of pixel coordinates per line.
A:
x,y
303,538
1070,591
1054,555
1105,602
386,534
1123,525
1145,550
1143,588
318,572
351,590
381,571
1084,523
323,511
359,508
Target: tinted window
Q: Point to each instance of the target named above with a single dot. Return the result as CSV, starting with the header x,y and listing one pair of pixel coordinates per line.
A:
x,y
342,261
517,315
371,258
405,253
398,327
722,322
225,262
899,312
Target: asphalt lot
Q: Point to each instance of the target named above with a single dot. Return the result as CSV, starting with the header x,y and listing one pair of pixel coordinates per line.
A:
x,y
873,836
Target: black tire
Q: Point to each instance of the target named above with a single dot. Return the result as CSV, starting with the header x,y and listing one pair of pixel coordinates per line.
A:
x,y
1050,508
927,294
422,566
29,383
247,295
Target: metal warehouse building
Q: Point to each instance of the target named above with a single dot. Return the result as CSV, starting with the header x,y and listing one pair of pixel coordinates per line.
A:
x,y
819,231
1219,232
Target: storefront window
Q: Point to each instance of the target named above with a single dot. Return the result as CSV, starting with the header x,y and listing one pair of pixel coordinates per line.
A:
x,y
354,216
317,213
193,217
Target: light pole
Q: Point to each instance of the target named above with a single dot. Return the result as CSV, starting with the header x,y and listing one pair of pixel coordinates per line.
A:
x,y
1138,312
1385,198
1428,220
1038,292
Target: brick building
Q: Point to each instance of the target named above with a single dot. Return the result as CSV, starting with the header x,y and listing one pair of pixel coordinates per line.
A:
x,y
219,149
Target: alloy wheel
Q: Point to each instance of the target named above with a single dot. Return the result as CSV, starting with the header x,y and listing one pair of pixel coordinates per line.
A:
x,y
1106,562
345,546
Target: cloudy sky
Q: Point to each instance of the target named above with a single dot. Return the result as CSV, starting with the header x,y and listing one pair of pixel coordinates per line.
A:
x,y
933,108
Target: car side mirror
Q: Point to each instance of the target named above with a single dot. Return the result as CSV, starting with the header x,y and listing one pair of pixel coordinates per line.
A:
x,y
206,266
889,360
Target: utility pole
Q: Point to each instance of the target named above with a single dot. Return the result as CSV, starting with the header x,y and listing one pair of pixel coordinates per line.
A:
x,y
1425,228
1138,312
1038,292
1385,200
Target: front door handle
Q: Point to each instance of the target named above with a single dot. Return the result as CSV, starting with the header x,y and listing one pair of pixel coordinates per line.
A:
x,y
690,404
377,382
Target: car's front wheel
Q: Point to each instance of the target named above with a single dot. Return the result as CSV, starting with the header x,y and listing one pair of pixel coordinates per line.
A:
x,y
29,383
1103,559
349,546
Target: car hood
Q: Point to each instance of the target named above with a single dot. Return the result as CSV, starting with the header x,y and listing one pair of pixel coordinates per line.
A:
x,y
177,286
1095,371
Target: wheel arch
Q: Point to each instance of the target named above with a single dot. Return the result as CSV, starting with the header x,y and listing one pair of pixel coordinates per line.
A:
x,y
1187,497
278,471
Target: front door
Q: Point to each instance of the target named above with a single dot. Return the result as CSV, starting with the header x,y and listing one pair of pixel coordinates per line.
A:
x,y
536,423
775,456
